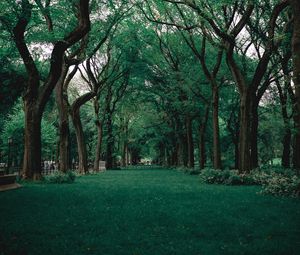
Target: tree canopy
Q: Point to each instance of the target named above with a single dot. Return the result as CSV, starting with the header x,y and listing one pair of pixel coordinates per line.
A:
x,y
180,83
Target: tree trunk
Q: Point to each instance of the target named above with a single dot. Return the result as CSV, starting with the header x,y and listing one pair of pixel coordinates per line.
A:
x,y
182,144
110,143
184,150
217,164
32,164
254,134
202,149
175,154
236,154
295,4
286,153
98,146
244,134
37,96
124,142
64,132
124,154
127,155
81,146
190,142
287,137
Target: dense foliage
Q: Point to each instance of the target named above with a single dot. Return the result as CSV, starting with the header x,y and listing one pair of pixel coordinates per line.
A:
x,y
180,84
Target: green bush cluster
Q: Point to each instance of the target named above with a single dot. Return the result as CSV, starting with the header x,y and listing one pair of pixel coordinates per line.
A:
x,y
227,177
282,185
60,177
278,181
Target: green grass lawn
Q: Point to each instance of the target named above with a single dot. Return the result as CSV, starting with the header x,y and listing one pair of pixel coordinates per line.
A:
x,y
146,212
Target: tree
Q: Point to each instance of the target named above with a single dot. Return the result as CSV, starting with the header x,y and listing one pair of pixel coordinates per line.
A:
x,y
228,33
36,95
295,6
204,59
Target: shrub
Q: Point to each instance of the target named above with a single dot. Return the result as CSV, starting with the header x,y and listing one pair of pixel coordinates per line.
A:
x,y
260,177
59,177
234,179
281,185
278,182
211,176
227,177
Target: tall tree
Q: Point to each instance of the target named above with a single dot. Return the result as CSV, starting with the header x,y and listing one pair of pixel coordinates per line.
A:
x,y
295,6
37,92
235,19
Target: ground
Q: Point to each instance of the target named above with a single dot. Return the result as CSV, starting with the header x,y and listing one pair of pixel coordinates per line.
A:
x,y
146,212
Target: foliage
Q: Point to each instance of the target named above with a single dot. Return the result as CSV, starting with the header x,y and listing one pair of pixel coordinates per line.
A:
x,y
60,177
263,174
280,185
14,127
277,181
166,81
227,177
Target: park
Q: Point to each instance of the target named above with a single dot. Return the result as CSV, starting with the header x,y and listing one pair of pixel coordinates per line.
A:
x,y
149,127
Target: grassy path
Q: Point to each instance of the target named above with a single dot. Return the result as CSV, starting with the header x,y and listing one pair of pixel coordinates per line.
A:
x,y
146,212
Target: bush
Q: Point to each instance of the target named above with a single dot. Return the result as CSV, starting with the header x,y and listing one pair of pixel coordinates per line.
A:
x,y
227,177
278,182
281,185
59,177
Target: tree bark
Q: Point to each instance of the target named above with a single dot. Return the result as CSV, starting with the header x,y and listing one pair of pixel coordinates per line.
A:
x,y
110,143
99,145
127,155
202,147
124,154
75,115
254,134
287,137
81,146
244,134
295,4
190,142
217,164
37,96
233,125
98,124
63,113
32,145
124,141
286,152
184,150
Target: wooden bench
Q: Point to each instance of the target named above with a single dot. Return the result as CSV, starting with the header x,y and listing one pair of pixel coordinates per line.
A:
x,y
8,182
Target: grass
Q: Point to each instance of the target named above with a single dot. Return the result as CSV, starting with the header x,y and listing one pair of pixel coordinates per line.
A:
x,y
146,212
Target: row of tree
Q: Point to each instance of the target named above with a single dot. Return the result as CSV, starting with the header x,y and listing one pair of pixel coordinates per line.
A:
x,y
161,75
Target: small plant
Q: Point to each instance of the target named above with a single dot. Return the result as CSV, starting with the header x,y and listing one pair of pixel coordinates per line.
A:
x,y
60,177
